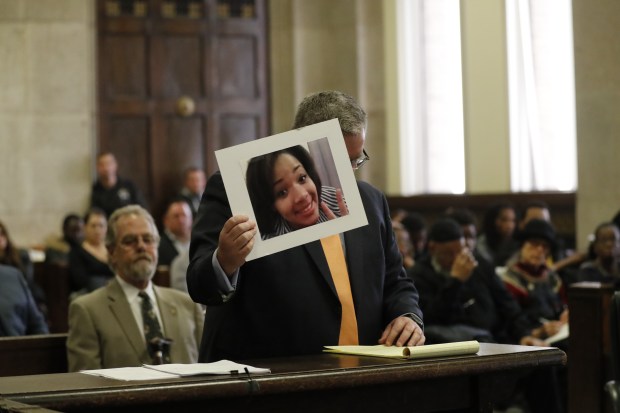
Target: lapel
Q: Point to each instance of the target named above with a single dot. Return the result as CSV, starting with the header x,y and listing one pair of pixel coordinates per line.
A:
x,y
354,256
169,316
315,250
119,306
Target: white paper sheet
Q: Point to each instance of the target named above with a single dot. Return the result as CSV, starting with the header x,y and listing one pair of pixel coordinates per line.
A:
x,y
218,367
130,374
170,371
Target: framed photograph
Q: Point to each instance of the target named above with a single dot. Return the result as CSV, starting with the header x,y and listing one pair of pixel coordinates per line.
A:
x,y
281,181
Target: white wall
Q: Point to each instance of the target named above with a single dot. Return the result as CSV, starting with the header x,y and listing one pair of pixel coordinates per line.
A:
x,y
47,89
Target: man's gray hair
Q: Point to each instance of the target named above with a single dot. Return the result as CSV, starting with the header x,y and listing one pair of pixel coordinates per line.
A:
x,y
330,104
110,236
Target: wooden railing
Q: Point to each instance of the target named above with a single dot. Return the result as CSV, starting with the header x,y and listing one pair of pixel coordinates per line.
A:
x,y
38,354
588,347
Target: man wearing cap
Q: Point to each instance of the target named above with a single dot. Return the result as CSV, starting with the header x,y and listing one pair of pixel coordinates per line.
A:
x,y
460,300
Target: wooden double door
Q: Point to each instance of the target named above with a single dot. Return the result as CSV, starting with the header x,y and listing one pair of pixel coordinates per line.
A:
x,y
178,80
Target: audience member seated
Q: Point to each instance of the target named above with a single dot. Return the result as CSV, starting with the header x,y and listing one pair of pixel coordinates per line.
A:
x,y
178,271
535,286
19,314
496,242
57,248
19,258
88,262
534,210
565,262
177,231
130,320
466,219
616,219
604,260
416,225
459,299
110,191
194,182
537,289
404,244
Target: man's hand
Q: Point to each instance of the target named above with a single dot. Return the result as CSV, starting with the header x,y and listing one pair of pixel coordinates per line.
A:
x,y
402,331
235,242
532,341
463,265
341,205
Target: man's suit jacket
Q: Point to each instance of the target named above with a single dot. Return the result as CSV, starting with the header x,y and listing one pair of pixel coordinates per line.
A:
x,y
166,250
286,303
103,332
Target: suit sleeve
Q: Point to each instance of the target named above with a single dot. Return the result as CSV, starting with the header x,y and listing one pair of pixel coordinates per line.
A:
x,y
83,350
400,296
213,213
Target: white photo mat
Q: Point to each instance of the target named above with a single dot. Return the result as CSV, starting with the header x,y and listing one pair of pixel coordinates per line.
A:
x,y
233,162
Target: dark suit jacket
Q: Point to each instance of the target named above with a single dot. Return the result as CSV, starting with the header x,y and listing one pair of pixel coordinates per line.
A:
x,y
286,303
103,332
166,251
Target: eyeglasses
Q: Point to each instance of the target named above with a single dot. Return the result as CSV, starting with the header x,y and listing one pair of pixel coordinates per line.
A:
x,y
132,241
357,163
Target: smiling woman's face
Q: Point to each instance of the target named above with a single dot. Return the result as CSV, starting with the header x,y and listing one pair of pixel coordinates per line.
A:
x,y
296,198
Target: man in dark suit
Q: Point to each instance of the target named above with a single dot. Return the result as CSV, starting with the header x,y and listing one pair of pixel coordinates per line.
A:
x,y
286,303
109,327
194,182
177,231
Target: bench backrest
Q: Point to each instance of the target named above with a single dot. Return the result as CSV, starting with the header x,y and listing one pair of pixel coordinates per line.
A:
x,y
37,354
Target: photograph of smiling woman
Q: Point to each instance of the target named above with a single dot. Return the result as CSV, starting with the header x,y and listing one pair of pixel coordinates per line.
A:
x,y
286,192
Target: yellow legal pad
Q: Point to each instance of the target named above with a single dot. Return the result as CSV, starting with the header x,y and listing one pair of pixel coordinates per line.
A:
x,y
460,348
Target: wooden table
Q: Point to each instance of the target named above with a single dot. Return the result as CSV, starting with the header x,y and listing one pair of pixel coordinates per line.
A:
x,y
325,383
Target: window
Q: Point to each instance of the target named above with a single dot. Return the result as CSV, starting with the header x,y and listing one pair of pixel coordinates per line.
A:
x,y
540,88
543,147
431,101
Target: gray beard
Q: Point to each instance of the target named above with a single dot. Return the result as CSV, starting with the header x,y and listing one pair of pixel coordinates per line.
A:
x,y
139,271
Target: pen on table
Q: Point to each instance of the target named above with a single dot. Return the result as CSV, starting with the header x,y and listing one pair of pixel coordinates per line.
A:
x,y
253,385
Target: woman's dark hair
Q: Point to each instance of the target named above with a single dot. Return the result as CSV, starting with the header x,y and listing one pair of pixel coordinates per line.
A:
x,y
10,256
259,180
94,211
489,228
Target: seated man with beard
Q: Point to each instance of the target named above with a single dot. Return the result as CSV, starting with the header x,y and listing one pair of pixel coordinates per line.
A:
x,y
120,324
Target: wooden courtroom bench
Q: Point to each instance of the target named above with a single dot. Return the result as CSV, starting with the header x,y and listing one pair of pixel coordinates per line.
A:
x,y
37,354
589,347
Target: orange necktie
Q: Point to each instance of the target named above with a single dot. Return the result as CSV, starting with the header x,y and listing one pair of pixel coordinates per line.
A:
x,y
338,268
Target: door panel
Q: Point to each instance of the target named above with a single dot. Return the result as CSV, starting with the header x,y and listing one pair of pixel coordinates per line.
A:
x,y
153,56
128,139
236,63
125,66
